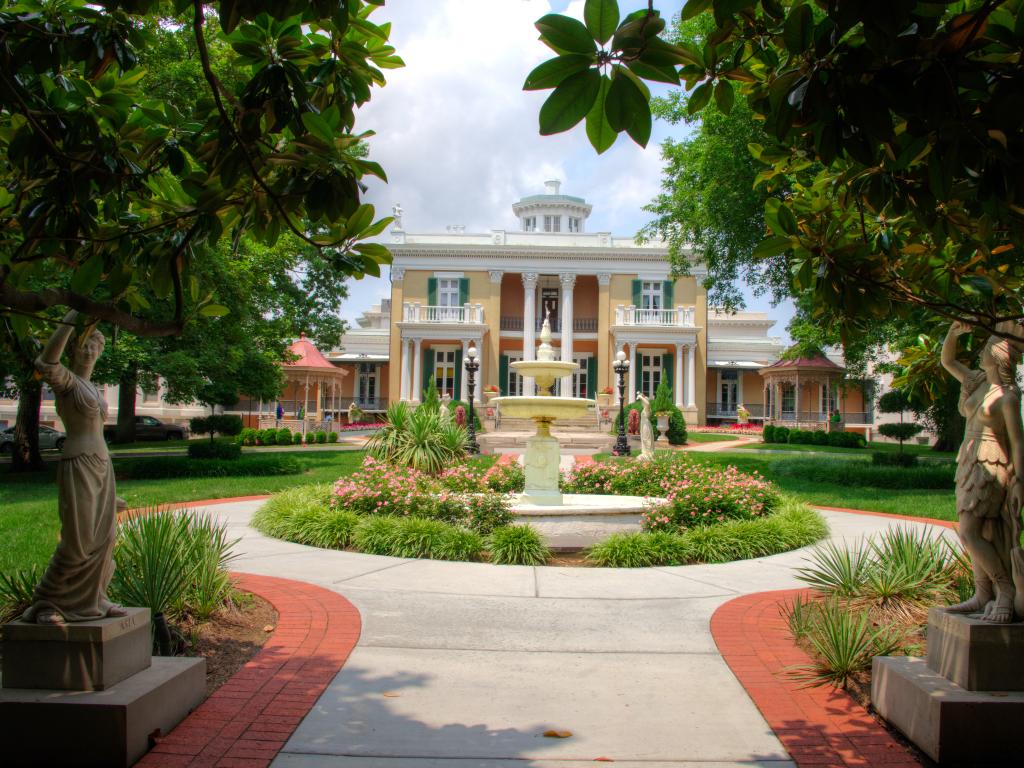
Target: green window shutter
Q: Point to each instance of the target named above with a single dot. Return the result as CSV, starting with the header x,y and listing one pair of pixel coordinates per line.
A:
x,y
432,292
428,369
457,394
670,294
667,370
463,290
637,290
591,377
503,375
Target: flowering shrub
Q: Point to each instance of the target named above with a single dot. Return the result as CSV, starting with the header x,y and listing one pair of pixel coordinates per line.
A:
x,y
505,478
696,494
731,429
458,495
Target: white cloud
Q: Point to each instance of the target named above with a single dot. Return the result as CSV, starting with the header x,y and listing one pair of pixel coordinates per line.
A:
x,y
458,136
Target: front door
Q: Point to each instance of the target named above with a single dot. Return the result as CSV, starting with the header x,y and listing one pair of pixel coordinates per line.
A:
x,y
728,392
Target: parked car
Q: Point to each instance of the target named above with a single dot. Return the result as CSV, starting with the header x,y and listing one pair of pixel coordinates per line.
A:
x,y
48,438
149,428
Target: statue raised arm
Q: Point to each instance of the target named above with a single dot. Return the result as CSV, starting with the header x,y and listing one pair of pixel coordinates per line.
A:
x,y
990,475
74,586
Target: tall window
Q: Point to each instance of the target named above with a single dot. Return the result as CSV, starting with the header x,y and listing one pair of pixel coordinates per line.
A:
x,y
529,224
515,381
444,372
552,223
367,392
574,224
579,379
651,294
829,399
728,395
650,374
788,401
448,298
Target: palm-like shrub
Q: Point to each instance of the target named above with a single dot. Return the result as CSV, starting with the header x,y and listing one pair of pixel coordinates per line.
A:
x,y
16,590
418,438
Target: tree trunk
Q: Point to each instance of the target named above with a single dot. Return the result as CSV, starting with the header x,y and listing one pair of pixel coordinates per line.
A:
x,y
25,456
127,387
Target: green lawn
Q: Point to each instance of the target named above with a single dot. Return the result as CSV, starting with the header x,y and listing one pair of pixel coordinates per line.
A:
x,y
924,451
814,488
28,503
710,437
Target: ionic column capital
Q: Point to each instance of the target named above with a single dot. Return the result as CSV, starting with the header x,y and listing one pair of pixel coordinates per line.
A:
x,y
568,279
529,280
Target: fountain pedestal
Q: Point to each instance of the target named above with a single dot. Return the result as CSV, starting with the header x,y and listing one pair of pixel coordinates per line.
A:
x,y
541,465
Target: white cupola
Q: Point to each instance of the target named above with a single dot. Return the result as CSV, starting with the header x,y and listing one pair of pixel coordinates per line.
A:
x,y
552,212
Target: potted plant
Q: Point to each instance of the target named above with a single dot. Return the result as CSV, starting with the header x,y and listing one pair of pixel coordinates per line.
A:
x,y
605,396
491,391
662,406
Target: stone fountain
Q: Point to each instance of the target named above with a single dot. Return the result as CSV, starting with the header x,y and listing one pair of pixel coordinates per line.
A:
x,y
567,521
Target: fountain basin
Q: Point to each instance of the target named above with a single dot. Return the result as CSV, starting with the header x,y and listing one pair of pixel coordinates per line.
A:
x,y
543,407
582,520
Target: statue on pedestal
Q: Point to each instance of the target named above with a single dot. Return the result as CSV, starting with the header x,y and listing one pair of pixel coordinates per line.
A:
x,y
990,474
646,430
74,586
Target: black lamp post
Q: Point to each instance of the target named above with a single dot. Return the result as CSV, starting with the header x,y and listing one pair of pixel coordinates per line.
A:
x,y
621,368
472,365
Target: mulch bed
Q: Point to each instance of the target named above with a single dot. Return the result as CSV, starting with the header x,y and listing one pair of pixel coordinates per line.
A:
x,y
231,637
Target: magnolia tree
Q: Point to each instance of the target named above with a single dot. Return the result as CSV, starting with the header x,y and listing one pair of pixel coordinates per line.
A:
x,y
893,149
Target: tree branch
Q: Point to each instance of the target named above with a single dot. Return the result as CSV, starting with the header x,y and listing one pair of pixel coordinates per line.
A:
x,y
22,302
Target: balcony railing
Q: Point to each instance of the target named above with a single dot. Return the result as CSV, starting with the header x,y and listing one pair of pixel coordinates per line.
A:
x,y
657,318
414,312
728,410
579,324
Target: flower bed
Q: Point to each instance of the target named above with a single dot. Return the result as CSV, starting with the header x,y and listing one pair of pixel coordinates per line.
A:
x,y
697,494
360,425
732,429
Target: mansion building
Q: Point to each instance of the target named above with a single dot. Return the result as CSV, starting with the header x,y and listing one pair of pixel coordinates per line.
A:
x,y
601,293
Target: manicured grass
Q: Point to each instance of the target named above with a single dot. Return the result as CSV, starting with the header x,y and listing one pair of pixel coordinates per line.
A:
x,y
924,451
711,437
29,526
819,488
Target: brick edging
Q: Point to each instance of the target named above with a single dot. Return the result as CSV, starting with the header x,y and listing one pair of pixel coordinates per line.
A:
x,y
247,720
952,525
817,726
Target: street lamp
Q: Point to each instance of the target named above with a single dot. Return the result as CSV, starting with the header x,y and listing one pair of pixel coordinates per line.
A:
x,y
472,365
621,368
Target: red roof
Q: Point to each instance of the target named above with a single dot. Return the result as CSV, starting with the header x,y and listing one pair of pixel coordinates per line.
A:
x,y
309,355
821,363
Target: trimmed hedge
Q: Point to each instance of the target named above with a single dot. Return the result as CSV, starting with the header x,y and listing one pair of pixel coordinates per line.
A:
x,y
207,450
882,459
795,525
774,433
937,475
167,467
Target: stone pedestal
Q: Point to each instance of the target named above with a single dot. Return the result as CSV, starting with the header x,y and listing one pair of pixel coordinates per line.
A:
x,y
89,693
80,656
540,463
965,704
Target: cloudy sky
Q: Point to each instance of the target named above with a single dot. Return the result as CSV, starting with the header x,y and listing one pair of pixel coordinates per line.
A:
x,y
458,136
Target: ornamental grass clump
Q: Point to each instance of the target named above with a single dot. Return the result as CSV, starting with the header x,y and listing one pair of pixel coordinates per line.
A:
x,y
517,545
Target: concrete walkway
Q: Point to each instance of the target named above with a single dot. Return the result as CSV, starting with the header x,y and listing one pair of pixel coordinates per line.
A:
x,y
468,664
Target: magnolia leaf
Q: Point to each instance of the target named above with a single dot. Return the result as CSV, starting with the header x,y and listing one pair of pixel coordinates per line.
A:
x,y
564,34
570,102
601,18
554,71
214,310
599,131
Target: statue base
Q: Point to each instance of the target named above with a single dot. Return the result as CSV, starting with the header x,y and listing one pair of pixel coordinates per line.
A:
x,y
96,686
540,463
965,704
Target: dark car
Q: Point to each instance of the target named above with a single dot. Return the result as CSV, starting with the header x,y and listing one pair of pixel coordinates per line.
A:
x,y
48,438
149,428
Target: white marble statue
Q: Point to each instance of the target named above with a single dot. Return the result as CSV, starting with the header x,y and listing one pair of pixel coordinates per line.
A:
x,y
444,409
646,431
990,474
74,586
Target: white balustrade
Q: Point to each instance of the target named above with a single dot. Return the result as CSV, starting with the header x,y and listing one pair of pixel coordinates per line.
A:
x,y
414,312
633,315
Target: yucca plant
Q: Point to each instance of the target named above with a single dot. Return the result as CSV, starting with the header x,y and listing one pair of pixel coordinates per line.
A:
x,y
418,438
836,570
799,615
210,549
517,545
844,643
16,590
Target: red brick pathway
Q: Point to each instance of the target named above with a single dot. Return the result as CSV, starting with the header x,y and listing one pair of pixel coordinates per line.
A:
x,y
817,726
248,719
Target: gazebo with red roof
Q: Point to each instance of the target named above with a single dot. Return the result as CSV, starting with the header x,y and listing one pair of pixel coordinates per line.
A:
x,y
802,390
313,384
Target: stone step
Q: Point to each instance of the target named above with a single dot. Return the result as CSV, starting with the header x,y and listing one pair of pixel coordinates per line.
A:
x,y
562,425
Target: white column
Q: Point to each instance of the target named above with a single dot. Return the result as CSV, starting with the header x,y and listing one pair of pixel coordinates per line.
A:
x,y
679,376
464,386
632,376
529,326
568,281
403,390
479,344
417,372
691,377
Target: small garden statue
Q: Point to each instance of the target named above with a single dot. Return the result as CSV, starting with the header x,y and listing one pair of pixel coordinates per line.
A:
x,y
443,409
646,430
990,474
352,408
74,586
742,415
